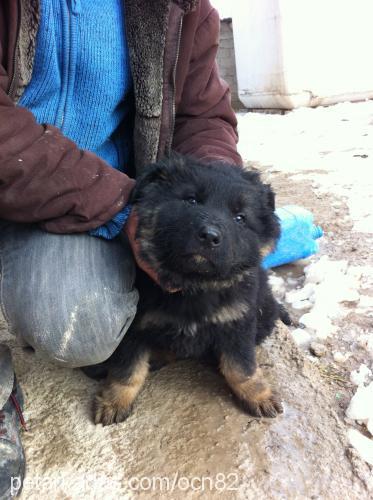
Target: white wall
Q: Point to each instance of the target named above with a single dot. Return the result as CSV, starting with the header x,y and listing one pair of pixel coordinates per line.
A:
x,y
224,7
290,54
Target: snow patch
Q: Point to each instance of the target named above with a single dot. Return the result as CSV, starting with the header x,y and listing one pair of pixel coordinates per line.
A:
x,y
309,143
361,376
329,286
361,409
362,444
301,336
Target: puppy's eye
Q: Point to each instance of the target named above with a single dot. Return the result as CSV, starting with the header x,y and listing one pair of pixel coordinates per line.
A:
x,y
239,218
191,200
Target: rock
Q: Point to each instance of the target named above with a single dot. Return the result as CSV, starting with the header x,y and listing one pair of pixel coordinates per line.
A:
x,y
340,357
361,375
361,407
317,349
362,444
301,336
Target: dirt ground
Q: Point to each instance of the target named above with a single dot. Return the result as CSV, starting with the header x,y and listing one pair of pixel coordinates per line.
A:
x,y
186,438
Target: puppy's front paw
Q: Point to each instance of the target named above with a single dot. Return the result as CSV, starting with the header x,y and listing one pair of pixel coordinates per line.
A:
x,y
112,405
252,392
267,404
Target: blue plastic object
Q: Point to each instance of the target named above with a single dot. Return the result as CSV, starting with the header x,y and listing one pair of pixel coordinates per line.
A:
x,y
298,236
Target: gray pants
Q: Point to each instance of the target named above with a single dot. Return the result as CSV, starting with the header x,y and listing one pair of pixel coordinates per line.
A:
x,y
71,297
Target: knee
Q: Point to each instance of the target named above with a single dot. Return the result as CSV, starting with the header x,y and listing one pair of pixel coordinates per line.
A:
x,y
85,334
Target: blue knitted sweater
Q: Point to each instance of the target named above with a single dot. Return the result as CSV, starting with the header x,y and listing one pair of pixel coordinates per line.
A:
x,y
81,81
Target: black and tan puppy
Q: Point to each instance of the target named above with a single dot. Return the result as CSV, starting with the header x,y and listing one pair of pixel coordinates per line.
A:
x,y
205,229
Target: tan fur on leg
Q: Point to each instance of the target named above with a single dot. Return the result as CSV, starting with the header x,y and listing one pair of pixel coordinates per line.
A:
x,y
113,404
253,392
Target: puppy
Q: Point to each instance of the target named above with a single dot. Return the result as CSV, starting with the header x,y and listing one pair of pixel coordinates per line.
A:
x,y
205,229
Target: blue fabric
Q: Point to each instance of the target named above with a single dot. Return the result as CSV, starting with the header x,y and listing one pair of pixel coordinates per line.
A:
x,y
81,80
298,235
112,228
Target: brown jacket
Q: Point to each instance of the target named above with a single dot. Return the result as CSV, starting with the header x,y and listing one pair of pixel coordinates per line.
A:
x,y
181,103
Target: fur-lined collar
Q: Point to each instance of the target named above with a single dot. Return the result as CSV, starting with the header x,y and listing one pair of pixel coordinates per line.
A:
x,y
186,5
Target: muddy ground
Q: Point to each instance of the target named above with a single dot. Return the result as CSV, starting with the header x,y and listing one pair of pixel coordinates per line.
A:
x,y
186,437
186,425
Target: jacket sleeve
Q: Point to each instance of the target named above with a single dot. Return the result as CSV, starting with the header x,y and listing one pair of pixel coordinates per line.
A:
x,y
206,125
45,177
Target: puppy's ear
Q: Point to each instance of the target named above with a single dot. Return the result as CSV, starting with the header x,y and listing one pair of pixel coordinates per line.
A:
x,y
269,219
270,196
153,173
267,192
250,176
266,202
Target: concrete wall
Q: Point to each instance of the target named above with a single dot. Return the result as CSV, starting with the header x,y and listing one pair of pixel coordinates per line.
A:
x,y
226,60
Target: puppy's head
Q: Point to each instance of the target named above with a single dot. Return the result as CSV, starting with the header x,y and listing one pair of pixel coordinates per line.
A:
x,y
203,223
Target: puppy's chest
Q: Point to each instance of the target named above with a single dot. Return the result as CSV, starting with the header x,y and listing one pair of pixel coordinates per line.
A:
x,y
171,323
185,337
190,328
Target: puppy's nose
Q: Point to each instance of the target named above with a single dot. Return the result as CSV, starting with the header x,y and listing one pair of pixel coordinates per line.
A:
x,y
210,235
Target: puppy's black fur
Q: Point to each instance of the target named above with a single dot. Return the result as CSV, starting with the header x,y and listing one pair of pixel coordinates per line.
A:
x,y
205,228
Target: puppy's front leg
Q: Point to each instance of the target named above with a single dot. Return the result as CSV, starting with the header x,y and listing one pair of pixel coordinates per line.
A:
x,y
113,403
247,382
